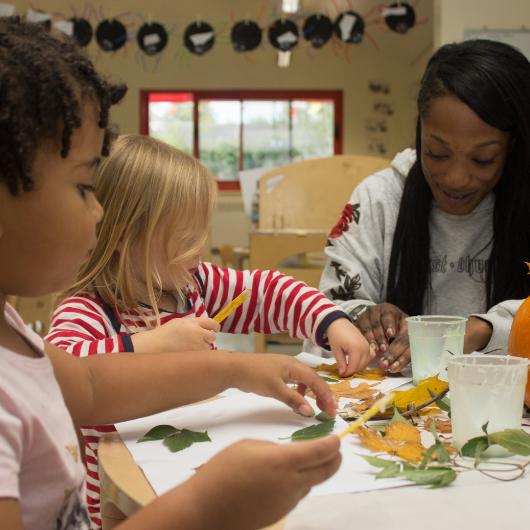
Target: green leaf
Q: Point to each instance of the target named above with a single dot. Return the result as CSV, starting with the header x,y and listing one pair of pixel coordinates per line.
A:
x,y
474,447
436,477
443,403
394,470
398,416
330,379
158,433
378,462
185,438
516,441
313,431
324,416
485,428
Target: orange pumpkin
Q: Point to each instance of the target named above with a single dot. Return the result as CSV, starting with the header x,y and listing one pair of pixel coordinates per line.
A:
x,y
519,340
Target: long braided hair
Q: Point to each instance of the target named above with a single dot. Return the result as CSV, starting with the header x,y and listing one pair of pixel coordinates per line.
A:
x,y
492,79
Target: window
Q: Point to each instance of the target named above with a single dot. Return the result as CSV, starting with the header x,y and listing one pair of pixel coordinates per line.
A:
x,y
235,130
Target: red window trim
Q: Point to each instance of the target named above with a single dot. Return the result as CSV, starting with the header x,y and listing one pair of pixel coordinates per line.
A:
x,y
334,95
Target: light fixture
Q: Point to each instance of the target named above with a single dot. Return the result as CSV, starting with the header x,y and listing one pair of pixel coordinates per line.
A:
x,y
284,59
290,6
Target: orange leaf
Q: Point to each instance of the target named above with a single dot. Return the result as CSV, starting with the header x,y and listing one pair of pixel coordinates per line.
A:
x,y
372,439
401,431
442,425
367,373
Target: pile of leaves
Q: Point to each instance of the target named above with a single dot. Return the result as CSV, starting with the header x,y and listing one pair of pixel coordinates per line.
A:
x,y
439,465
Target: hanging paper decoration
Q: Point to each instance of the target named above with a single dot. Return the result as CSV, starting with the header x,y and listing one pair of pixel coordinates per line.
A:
x,y
152,38
317,30
39,17
7,10
82,31
349,27
283,35
111,35
245,36
65,26
199,37
399,17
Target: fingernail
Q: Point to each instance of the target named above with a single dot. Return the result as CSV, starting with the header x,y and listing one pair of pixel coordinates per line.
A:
x,y
389,332
383,364
382,347
373,345
394,367
306,410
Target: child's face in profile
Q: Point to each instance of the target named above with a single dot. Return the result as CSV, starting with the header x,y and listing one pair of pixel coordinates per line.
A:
x,y
462,157
46,233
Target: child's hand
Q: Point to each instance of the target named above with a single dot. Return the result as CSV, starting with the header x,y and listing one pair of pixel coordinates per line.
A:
x,y
252,484
179,334
269,374
351,350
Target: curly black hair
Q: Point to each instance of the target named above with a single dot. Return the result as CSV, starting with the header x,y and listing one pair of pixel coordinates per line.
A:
x,y
43,79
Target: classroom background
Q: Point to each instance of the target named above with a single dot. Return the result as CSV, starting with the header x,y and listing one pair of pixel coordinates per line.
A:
x,y
288,100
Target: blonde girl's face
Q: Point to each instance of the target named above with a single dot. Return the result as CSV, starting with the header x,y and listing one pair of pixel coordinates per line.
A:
x,y
48,232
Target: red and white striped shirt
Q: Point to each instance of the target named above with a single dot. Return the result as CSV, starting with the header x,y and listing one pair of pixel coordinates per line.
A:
x,y
84,325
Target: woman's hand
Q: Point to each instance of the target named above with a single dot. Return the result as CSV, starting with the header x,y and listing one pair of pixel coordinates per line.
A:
x,y
351,350
385,328
179,334
269,375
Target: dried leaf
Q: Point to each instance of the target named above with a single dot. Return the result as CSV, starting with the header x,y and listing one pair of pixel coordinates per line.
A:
x,y
419,394
158,433
313,431
441,425
184,438
373,440
402,431
367,373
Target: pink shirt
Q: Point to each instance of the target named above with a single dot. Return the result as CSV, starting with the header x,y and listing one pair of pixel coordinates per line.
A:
x,y
39,453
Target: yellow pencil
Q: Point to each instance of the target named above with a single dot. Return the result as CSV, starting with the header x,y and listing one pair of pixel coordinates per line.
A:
x,y
232,306
372,411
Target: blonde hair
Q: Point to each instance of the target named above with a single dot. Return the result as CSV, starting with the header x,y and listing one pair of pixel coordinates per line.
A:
x,y
142,184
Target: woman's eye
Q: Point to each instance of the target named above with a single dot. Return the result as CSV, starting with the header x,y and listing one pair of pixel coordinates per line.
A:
x,y
435,156
85,188
484,162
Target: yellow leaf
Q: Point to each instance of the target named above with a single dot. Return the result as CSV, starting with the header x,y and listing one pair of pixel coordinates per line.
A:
x,y
367,373
419,394
401,431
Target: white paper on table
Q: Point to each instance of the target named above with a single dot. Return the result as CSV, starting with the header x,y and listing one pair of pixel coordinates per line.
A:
x,y
233,417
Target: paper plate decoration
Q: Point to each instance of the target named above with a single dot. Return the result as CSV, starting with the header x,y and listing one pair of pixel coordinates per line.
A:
x,y
36,16
245,36
349,27
111,35
199,37
82,31
152,38
317,30
399,17
283,35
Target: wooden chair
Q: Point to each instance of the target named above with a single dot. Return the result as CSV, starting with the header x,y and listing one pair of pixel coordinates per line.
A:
x,y
298,205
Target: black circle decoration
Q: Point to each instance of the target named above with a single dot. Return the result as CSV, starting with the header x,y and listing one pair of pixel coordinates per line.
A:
x,y
349,27
82,31
111,35
283,35
399,17
318,30
199,37
245,36
152,38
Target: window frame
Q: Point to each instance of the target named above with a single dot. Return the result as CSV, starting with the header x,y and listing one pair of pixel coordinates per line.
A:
x,y
242,95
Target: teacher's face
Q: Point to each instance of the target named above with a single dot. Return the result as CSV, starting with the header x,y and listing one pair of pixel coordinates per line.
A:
x,y
462,157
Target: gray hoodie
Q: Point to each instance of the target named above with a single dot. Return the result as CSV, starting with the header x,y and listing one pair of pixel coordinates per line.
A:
x,y
360,245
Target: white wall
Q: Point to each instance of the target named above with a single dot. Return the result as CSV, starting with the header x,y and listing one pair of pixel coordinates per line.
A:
x,y
452,17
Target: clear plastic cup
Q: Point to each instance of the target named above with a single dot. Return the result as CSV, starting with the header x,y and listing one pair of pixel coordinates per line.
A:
x,y
433,339
485,389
